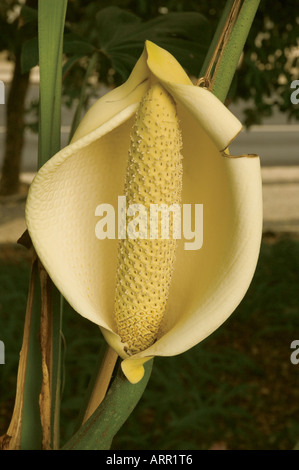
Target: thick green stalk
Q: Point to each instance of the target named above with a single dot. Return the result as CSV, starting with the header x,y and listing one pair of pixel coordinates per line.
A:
x,y
216,37
98,431
31,433
233,49
57,316
51,17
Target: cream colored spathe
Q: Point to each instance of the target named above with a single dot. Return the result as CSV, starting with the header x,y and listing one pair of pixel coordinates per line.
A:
x,y
207,284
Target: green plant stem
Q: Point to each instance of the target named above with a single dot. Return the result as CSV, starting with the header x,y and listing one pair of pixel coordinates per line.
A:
x,y
216,37
31,434
57,316
51,17
233,49
98,431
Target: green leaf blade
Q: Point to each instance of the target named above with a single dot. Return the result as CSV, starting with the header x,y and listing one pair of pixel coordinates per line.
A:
x,y
185,35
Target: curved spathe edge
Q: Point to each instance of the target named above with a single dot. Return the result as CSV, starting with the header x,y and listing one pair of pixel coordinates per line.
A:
x,y
213,116
113,102
245,248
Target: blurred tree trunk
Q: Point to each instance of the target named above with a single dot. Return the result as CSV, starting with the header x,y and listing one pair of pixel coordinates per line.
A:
x,y
15,110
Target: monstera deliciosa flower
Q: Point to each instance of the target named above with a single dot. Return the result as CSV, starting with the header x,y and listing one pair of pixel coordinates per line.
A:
x,y
157,138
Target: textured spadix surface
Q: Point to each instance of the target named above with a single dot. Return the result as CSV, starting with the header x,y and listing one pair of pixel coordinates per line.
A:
x,y
154,177
207,284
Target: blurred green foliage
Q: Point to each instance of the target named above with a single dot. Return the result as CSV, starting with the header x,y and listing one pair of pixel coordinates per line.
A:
x,y
237,389
269,64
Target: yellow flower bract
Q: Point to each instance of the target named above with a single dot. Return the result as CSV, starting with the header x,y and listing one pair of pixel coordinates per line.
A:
x,y
154,176
206,284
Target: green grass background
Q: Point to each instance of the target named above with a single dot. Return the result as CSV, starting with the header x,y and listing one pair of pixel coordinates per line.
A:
x,y
236,390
